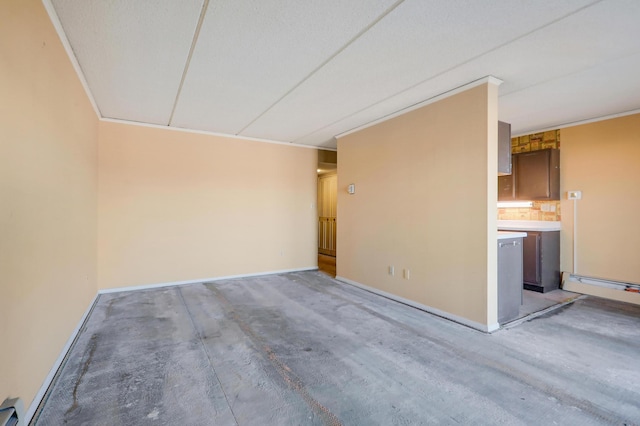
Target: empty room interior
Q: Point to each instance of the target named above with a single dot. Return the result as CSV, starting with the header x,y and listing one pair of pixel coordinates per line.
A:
x,y
280,212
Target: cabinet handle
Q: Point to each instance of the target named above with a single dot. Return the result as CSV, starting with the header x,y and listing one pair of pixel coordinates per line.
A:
x,y
512,243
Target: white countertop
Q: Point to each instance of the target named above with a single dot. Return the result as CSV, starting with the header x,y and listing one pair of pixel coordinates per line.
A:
x,y
503,235
528,225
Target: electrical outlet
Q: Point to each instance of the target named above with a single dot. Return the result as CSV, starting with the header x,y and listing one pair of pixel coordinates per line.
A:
x,y
407,274
392,271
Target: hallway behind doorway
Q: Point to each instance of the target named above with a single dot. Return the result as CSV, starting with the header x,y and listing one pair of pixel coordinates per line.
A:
x,y
327,264
327,211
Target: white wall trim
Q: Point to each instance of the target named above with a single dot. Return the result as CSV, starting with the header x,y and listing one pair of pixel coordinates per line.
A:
x,y
201,280
446,315
53,16
578,123
56,365
208,133
484,80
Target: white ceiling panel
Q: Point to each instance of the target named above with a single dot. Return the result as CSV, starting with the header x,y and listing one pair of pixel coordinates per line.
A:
x,y
565,48
417,41
306,71
132,53
251,53
613,87
578,42
325,136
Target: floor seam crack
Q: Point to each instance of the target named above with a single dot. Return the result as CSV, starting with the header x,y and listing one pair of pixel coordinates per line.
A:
x,y
204,348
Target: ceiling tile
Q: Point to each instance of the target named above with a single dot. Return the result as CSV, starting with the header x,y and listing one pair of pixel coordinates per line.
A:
x,y
418,41
251,53
562,49
613,87
132,53
578,42
306,71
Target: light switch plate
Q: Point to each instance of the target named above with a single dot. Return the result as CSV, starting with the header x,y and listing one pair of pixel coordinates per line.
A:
x,y
574,195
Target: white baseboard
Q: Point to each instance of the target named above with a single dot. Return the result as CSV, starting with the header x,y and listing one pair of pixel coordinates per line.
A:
x,y
446,315
201,280
47,381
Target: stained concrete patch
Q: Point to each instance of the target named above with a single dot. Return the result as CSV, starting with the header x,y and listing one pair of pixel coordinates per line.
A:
x,y
302,348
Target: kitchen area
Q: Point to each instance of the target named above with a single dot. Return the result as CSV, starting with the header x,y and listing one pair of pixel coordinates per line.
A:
x,y
529,223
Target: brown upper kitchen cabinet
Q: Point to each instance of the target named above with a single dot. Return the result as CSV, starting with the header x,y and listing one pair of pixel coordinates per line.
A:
x,y
504,148
506,188
537,175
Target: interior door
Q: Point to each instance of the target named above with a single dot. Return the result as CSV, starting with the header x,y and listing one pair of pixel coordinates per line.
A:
x,y
327,203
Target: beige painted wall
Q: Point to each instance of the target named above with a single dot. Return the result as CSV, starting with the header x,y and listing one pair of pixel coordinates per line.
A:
x,y
425,201
48,196
602,160
177,206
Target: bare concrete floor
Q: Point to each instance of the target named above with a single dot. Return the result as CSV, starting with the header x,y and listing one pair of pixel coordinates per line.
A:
x,y
535,302
301,348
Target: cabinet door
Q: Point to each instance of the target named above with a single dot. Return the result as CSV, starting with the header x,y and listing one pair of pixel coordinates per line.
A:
x,y
533,175
509,279
537,175
504,148
550,260
506,188
531,258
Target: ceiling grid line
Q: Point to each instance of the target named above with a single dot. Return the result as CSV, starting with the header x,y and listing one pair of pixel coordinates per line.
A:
x,y
325,62
579,122
196,34
302,73
576,72
500,46
451,92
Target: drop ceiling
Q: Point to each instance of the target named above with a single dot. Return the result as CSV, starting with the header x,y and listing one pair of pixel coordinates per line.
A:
x,y
305,71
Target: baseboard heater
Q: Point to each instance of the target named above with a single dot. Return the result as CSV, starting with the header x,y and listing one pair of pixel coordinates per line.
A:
x,y
12,412
616,285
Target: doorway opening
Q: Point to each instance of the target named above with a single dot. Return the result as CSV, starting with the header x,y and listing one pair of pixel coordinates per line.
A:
x,y
327,211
